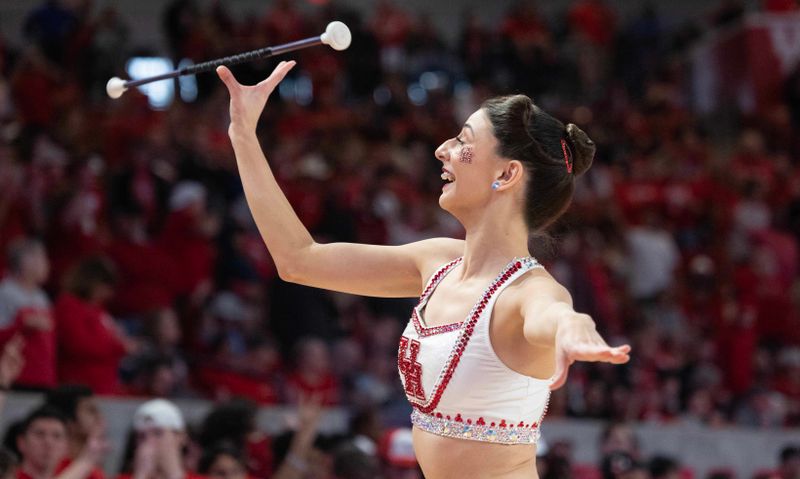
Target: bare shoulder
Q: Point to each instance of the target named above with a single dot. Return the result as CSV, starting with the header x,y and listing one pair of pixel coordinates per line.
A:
x,y
432,253
538,286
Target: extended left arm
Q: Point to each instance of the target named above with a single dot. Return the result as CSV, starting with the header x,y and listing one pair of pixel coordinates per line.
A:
x,y
551,321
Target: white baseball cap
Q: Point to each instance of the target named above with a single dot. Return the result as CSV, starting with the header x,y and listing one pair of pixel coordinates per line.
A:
x,y
158,413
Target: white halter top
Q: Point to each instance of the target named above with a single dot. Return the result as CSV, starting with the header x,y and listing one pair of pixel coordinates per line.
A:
x,y
455,381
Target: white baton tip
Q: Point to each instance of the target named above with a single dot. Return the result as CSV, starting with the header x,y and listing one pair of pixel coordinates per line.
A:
x,y
337,35
115,87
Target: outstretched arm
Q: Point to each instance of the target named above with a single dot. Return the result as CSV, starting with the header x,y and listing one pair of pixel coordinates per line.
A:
x,y
551,321
386,271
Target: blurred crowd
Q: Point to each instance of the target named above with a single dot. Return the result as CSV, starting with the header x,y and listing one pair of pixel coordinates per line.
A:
x,y
133,267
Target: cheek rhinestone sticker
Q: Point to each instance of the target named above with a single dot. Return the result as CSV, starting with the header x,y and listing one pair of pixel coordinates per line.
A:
x,y
466,155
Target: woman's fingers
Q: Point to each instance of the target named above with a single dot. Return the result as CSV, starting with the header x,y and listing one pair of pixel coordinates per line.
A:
x,y
562,370
277,75
227,78
224,73
591,353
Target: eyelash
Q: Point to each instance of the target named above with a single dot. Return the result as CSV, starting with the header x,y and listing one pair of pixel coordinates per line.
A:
x,y
458,139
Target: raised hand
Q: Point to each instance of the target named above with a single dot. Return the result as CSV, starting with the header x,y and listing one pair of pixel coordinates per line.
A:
x,y
247,102
97,445
11,361
146,459
577,339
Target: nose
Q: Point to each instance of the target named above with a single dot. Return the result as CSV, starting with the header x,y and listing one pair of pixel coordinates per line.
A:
x,y
442,152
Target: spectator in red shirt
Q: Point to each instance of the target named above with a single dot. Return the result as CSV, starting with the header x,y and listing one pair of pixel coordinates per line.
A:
x,y
25,309
42,443
187,238
90,344
43,446
313,376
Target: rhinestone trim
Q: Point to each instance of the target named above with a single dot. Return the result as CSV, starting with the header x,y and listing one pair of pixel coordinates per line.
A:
x,y
476,430
437,278
426,331
467,329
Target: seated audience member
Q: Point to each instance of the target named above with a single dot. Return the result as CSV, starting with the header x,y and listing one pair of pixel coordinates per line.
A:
x,y
664,468
234,423
159,440
25,309
350,462
43,446
397,452
159,358
90,344
84,420
223,461
621,465
790,462
313,376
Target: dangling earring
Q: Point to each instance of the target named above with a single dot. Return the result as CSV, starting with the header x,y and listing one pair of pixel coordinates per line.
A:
x,y
495,185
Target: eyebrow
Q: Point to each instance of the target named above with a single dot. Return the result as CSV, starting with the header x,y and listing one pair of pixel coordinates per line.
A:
x,y
467,125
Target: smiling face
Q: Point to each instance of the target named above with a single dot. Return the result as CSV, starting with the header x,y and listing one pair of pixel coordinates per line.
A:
x,y
470,164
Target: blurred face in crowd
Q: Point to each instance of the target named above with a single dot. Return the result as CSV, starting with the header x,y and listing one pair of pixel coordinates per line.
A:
x,y
471,163
43,445
620,438
102,293
162,438
87,416
314,357
227,467
35,266
167,331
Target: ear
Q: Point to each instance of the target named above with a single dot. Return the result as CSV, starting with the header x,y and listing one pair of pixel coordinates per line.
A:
x,y
512,174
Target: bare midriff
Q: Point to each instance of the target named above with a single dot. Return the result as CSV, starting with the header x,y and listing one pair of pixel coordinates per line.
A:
x,y
446,458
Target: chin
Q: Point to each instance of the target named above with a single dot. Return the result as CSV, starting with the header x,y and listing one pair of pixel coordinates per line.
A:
x,y
445,202
448,203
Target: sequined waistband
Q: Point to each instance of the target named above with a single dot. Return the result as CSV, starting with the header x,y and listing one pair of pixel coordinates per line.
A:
x,y
476,431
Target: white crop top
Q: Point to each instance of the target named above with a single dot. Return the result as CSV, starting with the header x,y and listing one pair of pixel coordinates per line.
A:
x,y
455,381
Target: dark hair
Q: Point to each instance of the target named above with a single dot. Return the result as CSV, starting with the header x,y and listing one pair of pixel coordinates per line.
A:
x,y
617,463
43,412
8,462
211,454
67,397
231,422
527,134
89,273
19,249
790,452
661,466
349,462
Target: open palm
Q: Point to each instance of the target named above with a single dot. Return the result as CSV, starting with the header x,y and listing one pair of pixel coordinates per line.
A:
x,y
247,102
580,341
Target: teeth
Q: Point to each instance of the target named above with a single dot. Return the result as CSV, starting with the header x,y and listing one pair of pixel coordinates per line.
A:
x,y
447,176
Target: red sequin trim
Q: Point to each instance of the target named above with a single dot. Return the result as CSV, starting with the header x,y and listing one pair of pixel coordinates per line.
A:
x,y
458,348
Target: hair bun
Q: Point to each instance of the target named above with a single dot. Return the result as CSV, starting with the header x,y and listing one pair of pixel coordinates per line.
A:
x,y
583,149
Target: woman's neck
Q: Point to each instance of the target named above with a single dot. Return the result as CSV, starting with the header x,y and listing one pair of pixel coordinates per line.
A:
x,y
491,243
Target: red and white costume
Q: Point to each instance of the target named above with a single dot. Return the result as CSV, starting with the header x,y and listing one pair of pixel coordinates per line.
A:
x,y
455,381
